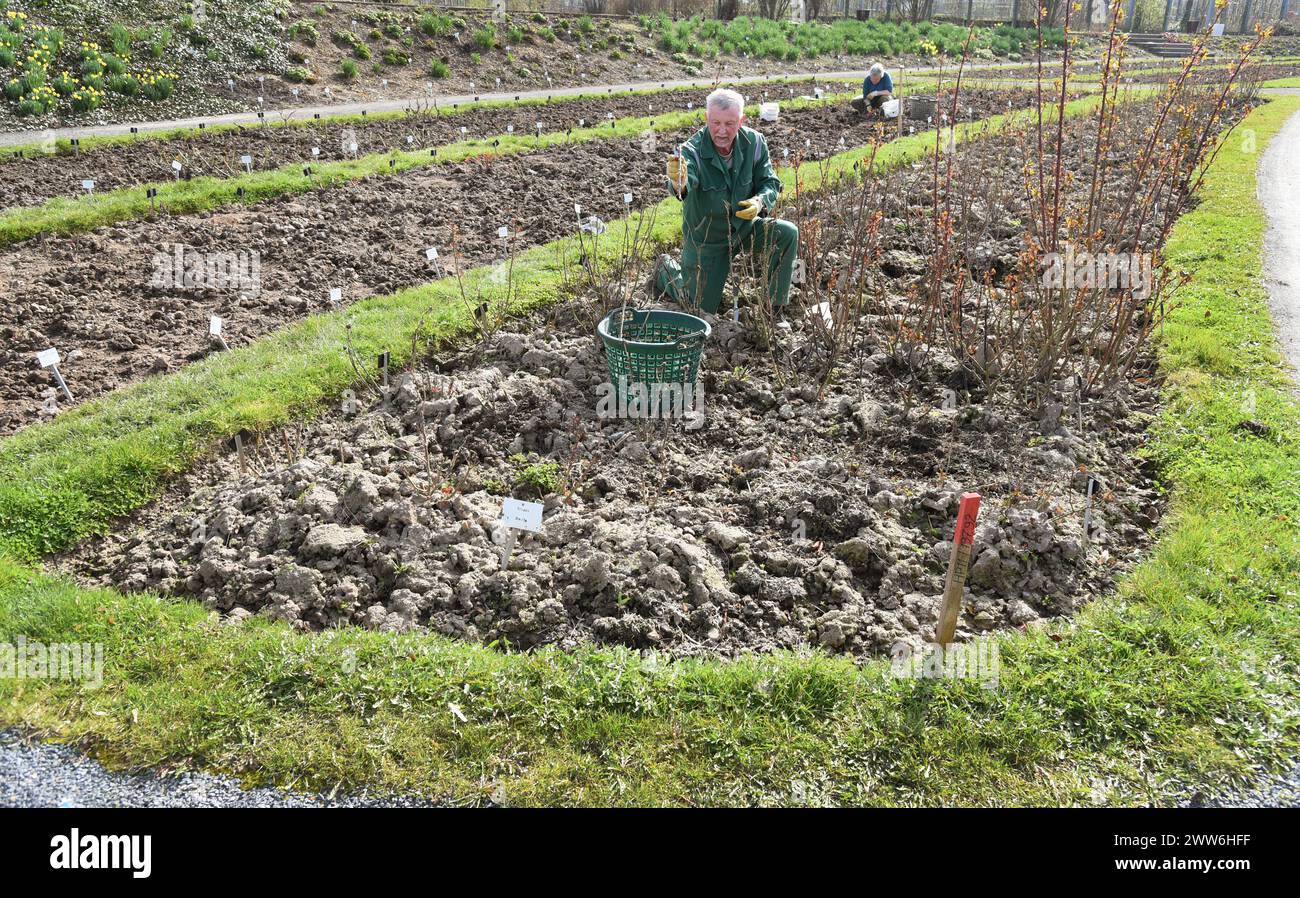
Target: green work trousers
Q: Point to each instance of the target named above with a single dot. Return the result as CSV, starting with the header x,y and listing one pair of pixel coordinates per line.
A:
x,y
702,275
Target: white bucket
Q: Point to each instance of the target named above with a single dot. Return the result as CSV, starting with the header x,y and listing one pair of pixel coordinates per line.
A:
x,y
890,108
769,112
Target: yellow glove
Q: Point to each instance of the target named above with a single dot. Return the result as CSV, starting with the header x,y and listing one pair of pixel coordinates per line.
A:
x,y
677,172
750,208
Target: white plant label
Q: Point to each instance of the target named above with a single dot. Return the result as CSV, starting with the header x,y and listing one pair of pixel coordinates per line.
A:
x,y
88,184
627,199
49,358
431,253
510,129
214,326
463,130
315,151
176,165
522,515
336,295
577,208
503,232
246,160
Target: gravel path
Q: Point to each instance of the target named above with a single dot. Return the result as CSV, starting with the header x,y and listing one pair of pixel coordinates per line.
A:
x,y
1275,790
1279,193
34,774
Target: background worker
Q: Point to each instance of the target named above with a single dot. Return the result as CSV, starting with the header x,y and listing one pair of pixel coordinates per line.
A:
x,y
877,87
724,178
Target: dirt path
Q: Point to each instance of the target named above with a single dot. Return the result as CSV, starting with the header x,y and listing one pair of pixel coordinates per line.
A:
x,y
1279,192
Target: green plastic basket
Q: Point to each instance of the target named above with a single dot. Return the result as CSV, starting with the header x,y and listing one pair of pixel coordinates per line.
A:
x,y
653,346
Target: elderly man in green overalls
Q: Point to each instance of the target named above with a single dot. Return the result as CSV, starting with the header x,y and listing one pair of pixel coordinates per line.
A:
x,y
724,177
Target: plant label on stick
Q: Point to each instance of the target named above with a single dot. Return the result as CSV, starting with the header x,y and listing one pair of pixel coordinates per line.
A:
x,y
315,152
214,330
336,295
50,359
247,163
627,199
503,232
88,185
958,566
521,515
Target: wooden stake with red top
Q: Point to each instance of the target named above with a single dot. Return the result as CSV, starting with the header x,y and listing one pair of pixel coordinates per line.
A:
x,y
958,565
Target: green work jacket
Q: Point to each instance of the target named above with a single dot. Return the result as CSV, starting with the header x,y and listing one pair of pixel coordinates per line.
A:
x,y
714,192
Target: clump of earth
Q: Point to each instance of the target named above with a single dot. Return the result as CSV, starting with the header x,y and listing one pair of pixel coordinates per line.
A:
x,y
769,514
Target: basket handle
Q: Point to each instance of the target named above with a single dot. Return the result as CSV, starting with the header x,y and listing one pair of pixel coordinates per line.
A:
x,y
689,342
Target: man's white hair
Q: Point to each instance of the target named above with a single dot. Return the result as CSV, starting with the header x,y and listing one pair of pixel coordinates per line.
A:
x,y
876,69
725,98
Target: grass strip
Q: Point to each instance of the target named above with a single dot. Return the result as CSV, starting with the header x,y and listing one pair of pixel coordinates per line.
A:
x,y
1186,676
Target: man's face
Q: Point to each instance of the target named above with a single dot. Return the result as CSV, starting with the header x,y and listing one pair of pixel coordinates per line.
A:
x,y
723,125
875,79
